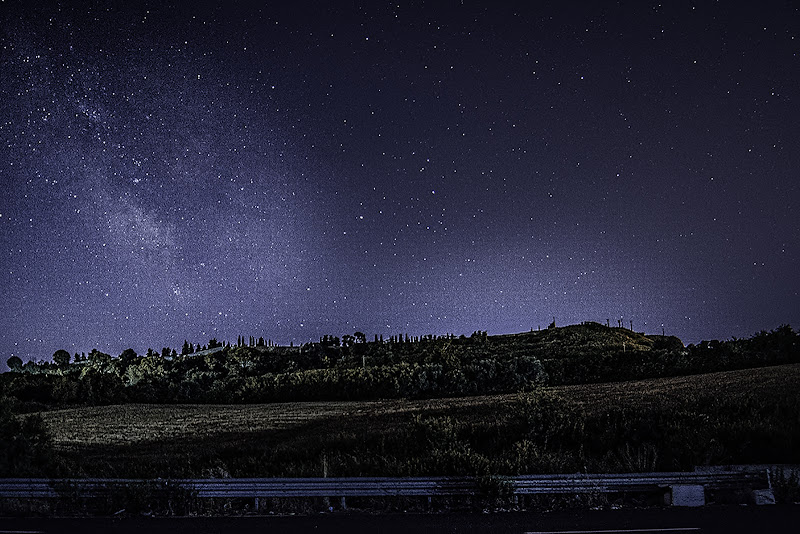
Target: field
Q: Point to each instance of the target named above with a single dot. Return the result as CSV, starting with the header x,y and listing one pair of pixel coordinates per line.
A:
x,y
137,424
734,411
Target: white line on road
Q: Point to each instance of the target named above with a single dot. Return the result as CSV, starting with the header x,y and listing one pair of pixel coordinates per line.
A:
x,y
616,531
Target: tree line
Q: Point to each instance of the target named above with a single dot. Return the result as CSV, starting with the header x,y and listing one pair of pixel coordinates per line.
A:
x,y
350,367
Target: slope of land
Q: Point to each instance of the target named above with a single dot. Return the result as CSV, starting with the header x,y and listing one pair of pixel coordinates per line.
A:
x,y
584,338
746,416
143,423
352,368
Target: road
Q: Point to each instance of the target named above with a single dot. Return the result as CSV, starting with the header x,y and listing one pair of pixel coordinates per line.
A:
x,y
706,520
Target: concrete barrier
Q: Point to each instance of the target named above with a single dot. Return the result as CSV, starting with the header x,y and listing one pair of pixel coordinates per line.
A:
x,y
688,495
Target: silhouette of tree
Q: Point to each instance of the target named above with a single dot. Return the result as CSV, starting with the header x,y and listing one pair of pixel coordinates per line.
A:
x,y
14,363
61,357
127,355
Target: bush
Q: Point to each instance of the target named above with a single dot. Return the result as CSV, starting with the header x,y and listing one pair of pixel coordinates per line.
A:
x,y
25,446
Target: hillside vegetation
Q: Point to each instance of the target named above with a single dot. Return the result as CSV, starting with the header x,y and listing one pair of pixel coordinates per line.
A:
x,y
748,416
352,368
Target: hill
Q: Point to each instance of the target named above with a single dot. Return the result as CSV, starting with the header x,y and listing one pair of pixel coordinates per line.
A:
x,y
352,368
660,424
588,338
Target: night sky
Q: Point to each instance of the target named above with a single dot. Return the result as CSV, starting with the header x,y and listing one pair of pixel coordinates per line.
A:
x,y
289,170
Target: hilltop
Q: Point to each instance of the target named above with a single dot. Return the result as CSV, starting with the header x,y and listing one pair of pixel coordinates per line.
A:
x,y
587,338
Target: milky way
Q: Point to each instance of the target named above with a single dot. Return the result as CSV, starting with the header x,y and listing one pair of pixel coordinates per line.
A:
x,y
184,171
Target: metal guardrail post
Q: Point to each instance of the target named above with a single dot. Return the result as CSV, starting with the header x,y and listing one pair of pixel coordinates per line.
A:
x,y
765,496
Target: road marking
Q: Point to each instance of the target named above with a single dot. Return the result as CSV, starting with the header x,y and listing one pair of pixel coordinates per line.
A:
x,y
616,531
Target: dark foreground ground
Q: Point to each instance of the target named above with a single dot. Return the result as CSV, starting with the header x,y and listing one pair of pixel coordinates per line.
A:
x,y
707,520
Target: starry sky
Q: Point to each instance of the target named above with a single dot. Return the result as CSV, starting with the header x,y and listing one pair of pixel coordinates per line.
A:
x,y
183,170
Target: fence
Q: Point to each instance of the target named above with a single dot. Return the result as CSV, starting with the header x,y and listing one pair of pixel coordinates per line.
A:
x,y
683,488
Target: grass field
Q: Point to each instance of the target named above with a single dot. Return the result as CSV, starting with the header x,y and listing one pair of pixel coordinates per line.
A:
x,y
766,383
388,437
137,424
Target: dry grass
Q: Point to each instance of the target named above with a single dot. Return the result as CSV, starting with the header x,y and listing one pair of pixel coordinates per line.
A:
x,y
140,424
131,424
764,383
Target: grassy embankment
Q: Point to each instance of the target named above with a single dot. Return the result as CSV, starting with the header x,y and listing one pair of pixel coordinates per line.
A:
x,y
746,416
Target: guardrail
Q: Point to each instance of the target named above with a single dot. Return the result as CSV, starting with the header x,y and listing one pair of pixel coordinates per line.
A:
x,y
686,488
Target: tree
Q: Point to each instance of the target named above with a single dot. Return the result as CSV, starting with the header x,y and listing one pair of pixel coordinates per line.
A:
x,y
24,443
347,340
61,357
99,360
186,349
14,363
127,356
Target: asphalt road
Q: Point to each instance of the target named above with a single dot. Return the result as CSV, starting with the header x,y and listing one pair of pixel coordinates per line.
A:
x,y
706,520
